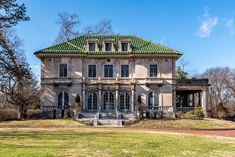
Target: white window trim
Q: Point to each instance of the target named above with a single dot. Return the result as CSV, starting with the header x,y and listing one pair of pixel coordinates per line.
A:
x,y
104,71
58,68
128,46
57,97
112,47
121,71
158,71
96,45
88,71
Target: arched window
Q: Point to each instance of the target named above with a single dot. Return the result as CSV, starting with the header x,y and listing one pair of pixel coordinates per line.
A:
x,y
63,99
152,100
108,101
124,100
92,101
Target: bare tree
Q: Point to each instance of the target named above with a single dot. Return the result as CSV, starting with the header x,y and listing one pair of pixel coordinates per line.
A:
x,y
221,92
102,28
17,83
11,13
70,27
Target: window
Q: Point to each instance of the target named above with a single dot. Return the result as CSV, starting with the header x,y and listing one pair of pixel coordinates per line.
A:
x,y
152,100
124,70
63,99
91,70
108,46
108,70
92,46
108,101
124,99
63,70
124,46
92,101
153,70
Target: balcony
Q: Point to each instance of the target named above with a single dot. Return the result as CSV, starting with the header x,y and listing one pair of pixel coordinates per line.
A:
x,y
153,80
57,81
107,80
51,108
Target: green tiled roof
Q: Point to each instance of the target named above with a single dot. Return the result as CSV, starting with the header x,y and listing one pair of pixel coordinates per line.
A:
x,y
138,46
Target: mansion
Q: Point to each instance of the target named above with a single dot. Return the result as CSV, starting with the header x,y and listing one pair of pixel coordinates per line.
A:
x,y
114,75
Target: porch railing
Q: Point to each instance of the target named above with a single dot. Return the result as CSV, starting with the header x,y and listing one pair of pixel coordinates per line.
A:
x,y
159,108
51,108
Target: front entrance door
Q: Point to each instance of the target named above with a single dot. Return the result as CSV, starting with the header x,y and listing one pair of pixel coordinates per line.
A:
x,y
108,101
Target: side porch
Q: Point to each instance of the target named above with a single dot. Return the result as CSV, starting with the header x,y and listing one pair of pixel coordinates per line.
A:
x,y
192,93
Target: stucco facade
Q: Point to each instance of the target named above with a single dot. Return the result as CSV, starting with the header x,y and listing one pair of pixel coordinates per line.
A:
x,y
148,76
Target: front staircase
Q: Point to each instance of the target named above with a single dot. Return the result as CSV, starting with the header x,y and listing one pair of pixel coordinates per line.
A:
x,y
107,119
107,122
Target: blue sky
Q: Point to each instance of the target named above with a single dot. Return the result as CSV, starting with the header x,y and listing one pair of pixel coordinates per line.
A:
x,y
203,30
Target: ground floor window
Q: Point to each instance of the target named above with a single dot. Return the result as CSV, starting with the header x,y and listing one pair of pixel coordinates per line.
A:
x,y
124,101
153,100
63,98
108,101
92,101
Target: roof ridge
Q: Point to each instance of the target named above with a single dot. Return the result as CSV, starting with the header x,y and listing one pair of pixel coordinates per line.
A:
x,y
75,46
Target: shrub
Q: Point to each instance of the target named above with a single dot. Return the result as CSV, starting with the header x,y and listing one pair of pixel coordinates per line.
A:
x,y
8,114
195,114
77,99
180,114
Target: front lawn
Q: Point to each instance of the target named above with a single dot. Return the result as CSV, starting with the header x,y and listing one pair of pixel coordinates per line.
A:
x,y
184,124
108,142
41,123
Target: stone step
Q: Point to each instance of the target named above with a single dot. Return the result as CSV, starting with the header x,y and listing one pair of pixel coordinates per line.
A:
x,y
107,122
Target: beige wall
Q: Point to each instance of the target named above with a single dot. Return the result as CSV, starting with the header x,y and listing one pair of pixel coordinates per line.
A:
x,y
78,67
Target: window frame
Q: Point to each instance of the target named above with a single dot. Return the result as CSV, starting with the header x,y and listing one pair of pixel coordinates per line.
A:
x,y
150,70
124,72
104,71
111,46
93,102
66,70
127,46
89,70
91,42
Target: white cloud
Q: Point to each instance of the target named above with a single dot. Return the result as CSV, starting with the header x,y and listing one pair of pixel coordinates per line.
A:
x,y
207,24
228,23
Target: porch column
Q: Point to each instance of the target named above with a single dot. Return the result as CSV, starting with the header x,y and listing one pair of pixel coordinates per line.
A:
x,y
132,97
84,97
199,99
116,102
83,93
99,98
205,100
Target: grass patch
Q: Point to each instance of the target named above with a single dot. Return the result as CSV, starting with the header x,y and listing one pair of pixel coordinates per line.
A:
x,y
104,142
42,123
184,124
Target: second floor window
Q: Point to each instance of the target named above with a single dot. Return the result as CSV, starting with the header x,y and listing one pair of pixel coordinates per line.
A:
x,y
92,46
108,46
153,70
124,70
108,70
91,70
124,46
63,70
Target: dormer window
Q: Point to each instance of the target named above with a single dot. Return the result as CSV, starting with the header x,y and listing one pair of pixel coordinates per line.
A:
x,y
92,46
125,46
108,46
